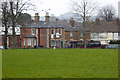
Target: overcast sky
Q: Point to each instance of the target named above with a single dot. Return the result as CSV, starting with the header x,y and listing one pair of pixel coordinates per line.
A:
x,y
59,7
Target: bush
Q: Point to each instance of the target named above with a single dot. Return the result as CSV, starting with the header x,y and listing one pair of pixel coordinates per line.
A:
x,y
114,42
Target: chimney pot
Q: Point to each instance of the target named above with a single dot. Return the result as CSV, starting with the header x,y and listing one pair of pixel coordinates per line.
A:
x,y
47,17
72,22
36,17
57,20
97,21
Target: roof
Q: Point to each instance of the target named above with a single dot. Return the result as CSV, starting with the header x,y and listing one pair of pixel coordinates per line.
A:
x,y
90,26
103,27
44,25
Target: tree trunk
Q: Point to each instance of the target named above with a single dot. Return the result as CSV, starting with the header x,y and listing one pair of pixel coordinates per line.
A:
x,y
84,35
13,36
5,40
5,36
84,25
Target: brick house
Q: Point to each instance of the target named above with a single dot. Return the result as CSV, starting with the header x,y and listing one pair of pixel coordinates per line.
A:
x,y
9,37
49,34
104,31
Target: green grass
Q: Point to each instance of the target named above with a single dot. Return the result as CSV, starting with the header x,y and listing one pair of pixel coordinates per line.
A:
x,y
60,63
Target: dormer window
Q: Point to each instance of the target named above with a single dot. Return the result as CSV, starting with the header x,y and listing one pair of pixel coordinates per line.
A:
x,y
33,32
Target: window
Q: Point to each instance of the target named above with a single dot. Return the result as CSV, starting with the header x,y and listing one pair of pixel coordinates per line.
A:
x,y
29,42
106,34
33,32
52,31
57,43
71,34
81,34
24,42
99,34
53,43
34,41
60,31
106,41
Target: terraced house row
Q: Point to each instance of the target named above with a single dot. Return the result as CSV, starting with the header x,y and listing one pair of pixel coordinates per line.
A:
x,y
48,34
59,33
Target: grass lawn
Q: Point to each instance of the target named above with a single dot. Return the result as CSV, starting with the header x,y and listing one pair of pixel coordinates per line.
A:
x,y
60,63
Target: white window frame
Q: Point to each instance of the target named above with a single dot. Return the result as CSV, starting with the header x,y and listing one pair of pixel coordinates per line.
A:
x,y
33,31
34,42
29,42
100,34
71,34
53,43
106,34
81,34
53,31
106,42
60,31
24,42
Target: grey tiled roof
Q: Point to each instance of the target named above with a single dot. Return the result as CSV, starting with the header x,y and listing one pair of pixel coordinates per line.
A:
x,y
90,26
104,27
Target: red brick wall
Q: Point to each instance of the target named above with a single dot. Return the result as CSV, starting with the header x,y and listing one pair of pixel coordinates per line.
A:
x,y
76,36
43,37
18,41
26,32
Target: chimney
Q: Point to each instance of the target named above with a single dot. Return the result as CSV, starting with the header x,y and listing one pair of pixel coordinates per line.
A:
x,y
97,21
47,17
36,17
72,22
57,20
117,21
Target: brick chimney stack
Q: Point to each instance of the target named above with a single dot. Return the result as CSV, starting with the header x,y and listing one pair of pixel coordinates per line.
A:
x,y
36,17
47,17
72,22
57,20
117,21
97,21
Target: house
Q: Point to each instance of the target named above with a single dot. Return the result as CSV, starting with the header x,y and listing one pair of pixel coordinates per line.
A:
x,y
48,34
9,36
104,31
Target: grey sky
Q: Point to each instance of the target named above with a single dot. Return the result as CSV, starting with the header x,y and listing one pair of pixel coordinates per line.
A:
x,y
59,7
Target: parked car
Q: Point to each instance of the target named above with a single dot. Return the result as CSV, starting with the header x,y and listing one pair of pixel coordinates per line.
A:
x,y
1,47
111,47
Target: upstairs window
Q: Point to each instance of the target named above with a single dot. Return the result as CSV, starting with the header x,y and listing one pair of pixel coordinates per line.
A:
x,y
52,31
60,31
71,34
33,32
100,34
81,34
106,34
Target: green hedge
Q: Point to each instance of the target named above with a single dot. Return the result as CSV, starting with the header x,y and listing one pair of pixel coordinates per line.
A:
x,y
114,42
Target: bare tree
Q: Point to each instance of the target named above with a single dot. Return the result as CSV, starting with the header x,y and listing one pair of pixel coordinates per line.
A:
x,y
85,9
107,13
16,8
4,9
